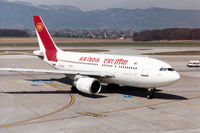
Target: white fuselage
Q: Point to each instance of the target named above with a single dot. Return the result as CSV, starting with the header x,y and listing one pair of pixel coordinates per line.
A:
x,y
127,70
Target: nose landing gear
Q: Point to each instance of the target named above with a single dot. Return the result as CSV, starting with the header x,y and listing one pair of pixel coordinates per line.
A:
x,y
151,92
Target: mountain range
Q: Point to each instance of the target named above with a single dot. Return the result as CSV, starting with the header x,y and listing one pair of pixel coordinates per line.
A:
x,y
18,15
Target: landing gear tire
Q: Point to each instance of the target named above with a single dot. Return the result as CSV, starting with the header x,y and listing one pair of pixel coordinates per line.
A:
x,y
74,89
151,93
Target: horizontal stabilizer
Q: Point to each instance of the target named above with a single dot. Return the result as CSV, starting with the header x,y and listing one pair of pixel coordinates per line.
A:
x,y
38,53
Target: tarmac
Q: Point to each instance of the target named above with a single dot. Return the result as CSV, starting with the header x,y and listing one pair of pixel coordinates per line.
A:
x,y
43,103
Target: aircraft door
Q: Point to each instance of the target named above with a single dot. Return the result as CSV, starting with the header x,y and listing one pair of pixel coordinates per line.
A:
x,y
144,73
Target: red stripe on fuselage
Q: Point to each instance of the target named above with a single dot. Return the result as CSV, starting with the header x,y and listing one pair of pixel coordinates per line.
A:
x,y
51,51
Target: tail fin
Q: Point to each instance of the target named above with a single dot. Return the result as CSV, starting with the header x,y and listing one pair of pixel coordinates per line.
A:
x,y
46,43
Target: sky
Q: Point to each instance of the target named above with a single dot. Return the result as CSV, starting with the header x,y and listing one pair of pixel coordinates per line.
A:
x,y
87,5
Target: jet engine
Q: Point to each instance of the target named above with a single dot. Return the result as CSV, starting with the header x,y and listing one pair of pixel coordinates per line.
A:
x,y
87,85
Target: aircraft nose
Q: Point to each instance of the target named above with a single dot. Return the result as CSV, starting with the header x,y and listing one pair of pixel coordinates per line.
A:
x,y
176,77
172,78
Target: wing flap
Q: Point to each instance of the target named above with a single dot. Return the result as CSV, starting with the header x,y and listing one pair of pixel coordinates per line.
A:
x,y
67,72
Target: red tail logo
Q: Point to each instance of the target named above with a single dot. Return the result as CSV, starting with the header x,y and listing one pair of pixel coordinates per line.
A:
x,y
39,27
50,48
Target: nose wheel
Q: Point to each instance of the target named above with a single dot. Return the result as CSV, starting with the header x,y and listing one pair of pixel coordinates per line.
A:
x,y
151,92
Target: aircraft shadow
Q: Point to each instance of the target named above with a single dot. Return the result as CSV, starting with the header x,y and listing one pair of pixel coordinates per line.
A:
x,y
123,90
53,92
130,91
141,92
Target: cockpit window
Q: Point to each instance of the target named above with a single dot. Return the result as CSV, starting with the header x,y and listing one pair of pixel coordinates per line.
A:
x,y
171,69
167,69
162,69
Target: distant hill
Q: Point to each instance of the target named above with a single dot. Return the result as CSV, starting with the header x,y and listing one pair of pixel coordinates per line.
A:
x,y
19,15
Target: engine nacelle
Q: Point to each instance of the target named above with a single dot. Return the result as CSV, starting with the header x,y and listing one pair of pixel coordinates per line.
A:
x,y
88,85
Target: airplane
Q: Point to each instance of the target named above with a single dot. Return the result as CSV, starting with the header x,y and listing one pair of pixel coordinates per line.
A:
x,y
89,71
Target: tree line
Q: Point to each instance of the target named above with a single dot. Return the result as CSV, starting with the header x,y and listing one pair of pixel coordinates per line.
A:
x,y
167,34
147,35
95,33
13,33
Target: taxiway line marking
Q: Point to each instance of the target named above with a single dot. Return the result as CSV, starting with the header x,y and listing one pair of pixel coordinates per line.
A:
x,y
77,116
42,116
92,114
107,112
188,105
39,117
137,107
43,121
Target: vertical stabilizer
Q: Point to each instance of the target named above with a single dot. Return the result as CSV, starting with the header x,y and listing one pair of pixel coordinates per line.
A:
x,y
46,42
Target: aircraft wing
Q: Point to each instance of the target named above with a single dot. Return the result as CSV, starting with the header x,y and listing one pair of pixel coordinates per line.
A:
x,y
188,69
67,72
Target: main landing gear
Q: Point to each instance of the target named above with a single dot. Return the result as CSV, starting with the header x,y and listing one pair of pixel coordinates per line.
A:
x,y
151,92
